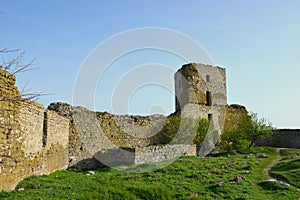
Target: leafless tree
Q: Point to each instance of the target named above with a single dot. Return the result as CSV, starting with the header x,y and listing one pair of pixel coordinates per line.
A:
x,y
15,66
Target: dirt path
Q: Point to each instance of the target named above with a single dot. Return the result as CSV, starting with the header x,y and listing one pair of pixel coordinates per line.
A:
x,y
272,164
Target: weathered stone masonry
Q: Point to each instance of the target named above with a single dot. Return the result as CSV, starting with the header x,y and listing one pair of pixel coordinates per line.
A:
x,y
97,140
283,138
38,141
35,140
24,124
201,92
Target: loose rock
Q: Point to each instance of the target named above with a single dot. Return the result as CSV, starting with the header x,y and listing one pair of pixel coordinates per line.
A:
x,y
90,173
262,155
247,167
221,183
238,179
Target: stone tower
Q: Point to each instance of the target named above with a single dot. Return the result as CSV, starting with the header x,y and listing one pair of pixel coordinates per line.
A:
x,y
200,84
201,92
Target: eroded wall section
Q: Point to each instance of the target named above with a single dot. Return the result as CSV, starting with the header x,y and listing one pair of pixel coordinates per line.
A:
x,y
33,141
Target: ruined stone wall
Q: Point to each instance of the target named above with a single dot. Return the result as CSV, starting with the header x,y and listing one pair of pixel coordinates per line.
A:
x,y
55,142
140,155
116,129
131,131
163,153
31,122
283,138
23,149
92,132
234,114
85,135
10,134
45,137
36,141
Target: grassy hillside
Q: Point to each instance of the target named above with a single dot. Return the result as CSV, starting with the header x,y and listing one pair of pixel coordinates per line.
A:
x,y
238,176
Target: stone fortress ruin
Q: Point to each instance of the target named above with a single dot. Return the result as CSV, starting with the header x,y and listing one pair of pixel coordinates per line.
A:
x,y
35,140
201,93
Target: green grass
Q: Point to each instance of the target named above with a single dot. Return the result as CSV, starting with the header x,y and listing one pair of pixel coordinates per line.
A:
x,y
288,168
186,178
290,152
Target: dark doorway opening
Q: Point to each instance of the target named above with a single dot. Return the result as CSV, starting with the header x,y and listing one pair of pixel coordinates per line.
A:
x,y
210,117
208,98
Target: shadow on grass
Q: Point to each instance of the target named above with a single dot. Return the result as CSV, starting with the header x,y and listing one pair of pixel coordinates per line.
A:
x,y
271,186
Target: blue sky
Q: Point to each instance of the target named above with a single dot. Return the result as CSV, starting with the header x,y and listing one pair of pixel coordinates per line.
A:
x,y
257,41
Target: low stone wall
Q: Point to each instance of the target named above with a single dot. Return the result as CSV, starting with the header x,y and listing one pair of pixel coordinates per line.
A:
x,y
140,155
284,138
163,153
116,156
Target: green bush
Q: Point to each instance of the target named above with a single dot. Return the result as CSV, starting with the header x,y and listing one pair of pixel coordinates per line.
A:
x,y
247,130
171,128
183,130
